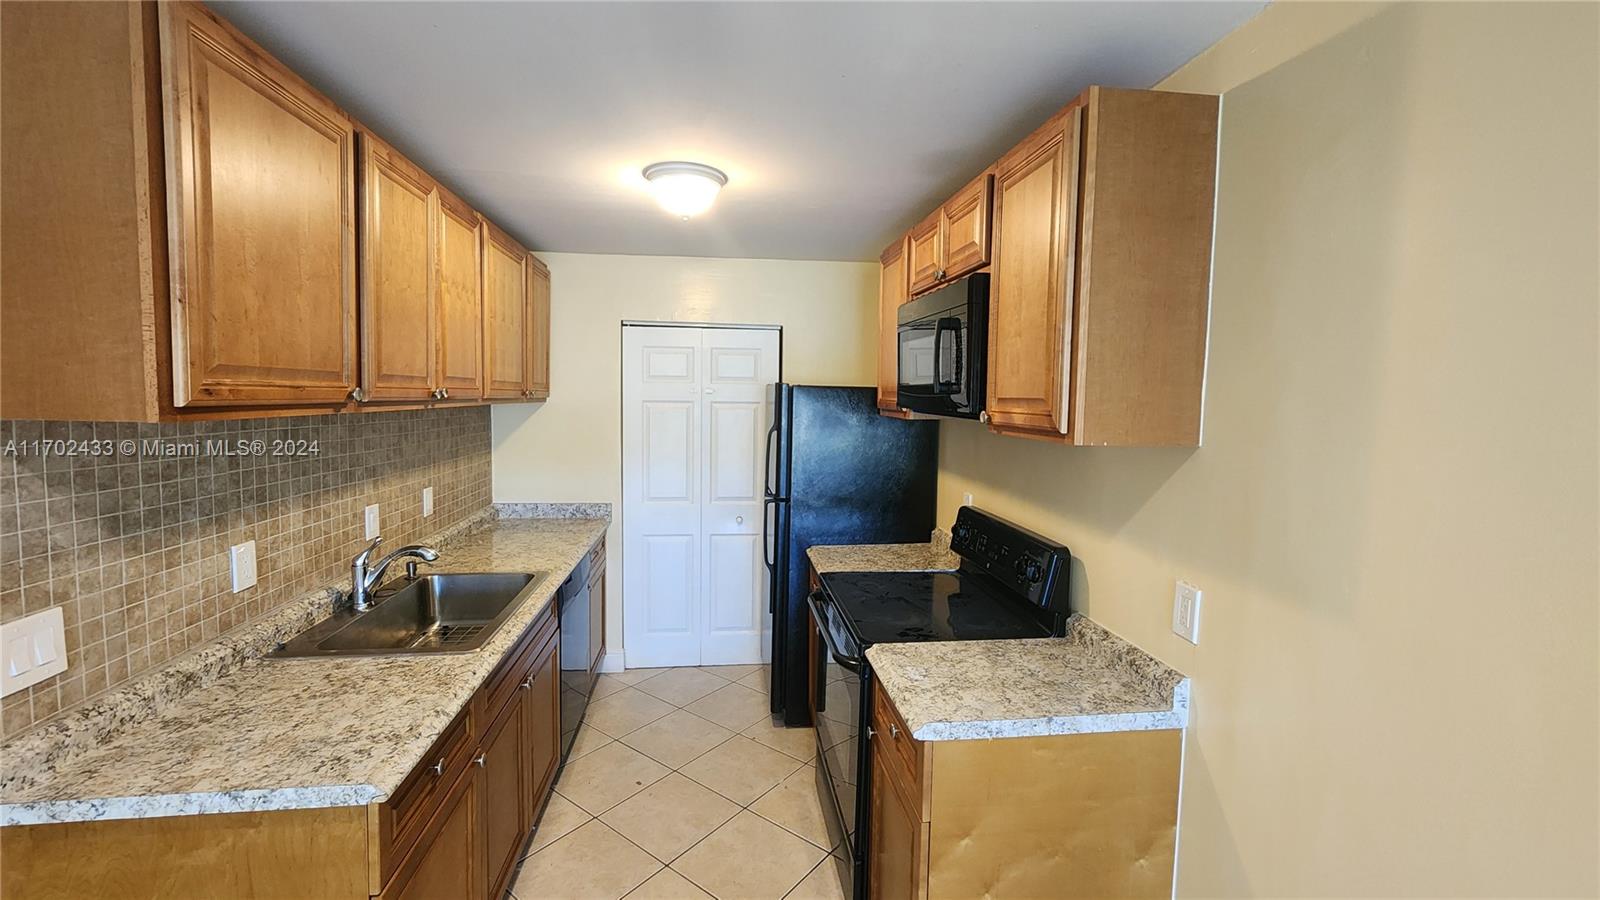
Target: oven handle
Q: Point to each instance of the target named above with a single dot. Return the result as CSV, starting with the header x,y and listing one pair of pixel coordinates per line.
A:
x,y
853,665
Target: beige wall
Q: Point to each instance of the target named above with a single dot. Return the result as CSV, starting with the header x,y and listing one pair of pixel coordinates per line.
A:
x,y
570,448
1394,513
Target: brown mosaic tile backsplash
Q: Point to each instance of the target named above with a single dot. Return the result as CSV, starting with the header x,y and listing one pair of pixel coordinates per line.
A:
x,y
134,546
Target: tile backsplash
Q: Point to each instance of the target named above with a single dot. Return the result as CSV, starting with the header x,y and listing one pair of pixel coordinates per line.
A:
x,y
130,536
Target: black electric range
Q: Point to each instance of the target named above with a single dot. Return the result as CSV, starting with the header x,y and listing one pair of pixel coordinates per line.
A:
x,y
1011,583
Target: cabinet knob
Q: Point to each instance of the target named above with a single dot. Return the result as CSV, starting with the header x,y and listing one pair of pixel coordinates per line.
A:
x,y
478,761
894,730
358,395
983,416
527,684
871,733
437,768
444,393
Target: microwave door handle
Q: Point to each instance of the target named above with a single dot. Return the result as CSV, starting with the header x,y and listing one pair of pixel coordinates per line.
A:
x,y
942,385
938,357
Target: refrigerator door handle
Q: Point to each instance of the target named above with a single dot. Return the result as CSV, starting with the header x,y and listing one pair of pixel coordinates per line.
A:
x,y
772,436
769,524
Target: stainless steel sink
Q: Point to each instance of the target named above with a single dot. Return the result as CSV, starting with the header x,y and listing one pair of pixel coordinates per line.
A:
x,y
442,613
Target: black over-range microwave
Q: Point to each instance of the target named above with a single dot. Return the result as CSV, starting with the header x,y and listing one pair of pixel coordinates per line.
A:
x,y
944,349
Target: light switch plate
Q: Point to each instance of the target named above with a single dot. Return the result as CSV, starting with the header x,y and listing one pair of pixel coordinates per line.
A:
x,y
966,499
371,519
427,502
242,563
1186,612
32,649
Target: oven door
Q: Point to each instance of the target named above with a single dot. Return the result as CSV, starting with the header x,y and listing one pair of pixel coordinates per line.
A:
x,y
839,679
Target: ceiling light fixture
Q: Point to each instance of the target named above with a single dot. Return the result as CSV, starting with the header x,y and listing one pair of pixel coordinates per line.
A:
x,y
684,188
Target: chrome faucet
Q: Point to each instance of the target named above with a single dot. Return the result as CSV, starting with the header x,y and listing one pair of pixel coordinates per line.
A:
x,y
363,579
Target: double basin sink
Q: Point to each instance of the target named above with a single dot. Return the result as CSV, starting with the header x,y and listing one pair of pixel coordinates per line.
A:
x,y
443,613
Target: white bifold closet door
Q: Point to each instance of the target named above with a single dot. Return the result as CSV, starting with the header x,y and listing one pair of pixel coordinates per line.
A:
x,y
694,424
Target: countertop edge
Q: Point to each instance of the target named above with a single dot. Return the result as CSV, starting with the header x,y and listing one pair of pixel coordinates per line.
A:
x,y
1176,718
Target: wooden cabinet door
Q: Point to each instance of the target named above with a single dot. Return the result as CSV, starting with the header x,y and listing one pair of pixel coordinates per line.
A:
x,y
505,302
543,723
503,761
964,227
447,863
891,293
538,385
895,869
261,173
399,256
925,254
460,360
1031,289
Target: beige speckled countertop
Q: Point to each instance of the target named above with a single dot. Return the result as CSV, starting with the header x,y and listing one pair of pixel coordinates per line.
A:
x,y
1090,680
300,733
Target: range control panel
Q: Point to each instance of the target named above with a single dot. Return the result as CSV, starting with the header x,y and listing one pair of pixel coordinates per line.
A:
x,y
1029,564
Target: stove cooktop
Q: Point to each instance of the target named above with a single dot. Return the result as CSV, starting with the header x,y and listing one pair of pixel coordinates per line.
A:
x,y
912,607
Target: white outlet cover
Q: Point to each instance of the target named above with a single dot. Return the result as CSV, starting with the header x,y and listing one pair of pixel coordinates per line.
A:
x,y
371,520
242,563
427,502
966,499
32,649
1186,612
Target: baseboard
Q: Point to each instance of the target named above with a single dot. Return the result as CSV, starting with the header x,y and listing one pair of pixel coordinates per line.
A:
x,y
612,661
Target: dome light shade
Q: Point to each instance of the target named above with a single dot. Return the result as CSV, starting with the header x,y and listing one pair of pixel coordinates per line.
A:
x,y
684,188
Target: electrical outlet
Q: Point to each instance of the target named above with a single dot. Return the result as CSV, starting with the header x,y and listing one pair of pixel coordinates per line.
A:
x,y
32,649
1186,612
371,519
427,502
966,499
242,563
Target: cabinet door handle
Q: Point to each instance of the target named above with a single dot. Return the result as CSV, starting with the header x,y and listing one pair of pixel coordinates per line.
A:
x,y
438,767
527,684
894,730
444,393
478,761
358,395
871,733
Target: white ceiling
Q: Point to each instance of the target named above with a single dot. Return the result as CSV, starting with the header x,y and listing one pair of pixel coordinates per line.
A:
x,y
839,124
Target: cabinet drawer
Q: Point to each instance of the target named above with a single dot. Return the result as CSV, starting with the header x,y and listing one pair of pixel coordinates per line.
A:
x,y
420,794
902,752
501,685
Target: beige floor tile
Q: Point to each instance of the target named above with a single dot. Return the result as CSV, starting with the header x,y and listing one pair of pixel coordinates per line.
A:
x,y
795,806
588,741
677,738
759,681
608,776
734,706
800,743
681,687
626,710
606,685
591,863
670,816
741,769
822,884
668,885
731,673
750,859
561,817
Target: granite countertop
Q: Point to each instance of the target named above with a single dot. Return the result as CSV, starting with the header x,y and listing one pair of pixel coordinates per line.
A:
x,y
934,556
298,733
1091,680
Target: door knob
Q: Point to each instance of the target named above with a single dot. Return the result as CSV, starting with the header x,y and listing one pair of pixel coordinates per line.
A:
x,y
739,520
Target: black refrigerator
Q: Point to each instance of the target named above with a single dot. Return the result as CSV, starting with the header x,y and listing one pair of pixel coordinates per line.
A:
x,y
837,473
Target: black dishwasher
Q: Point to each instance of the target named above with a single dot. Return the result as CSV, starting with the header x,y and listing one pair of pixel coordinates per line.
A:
x,y
579,663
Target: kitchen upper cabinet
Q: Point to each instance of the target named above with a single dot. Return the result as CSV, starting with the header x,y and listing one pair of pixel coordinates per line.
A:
x,y
251,254
460,361
538,377
261,241
400,236
953,240
891,293
1101,273
505,340
925,255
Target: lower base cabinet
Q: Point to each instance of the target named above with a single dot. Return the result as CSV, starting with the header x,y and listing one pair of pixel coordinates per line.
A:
x,y
1080,815
450,861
